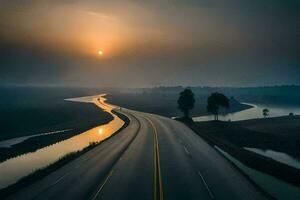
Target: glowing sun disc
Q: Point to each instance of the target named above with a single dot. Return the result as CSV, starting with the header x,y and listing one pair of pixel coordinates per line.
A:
x,y
100,131
100,52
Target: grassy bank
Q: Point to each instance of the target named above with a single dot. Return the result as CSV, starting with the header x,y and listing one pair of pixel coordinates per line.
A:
x,y
39,174
91,116
280,134
32,110
166,104
232,137
54,115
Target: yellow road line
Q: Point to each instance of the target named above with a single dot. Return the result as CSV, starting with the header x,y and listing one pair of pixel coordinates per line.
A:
x,y
111,171
157,170
100,189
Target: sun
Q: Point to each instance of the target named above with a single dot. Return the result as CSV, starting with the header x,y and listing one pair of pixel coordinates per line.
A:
x,y
100,52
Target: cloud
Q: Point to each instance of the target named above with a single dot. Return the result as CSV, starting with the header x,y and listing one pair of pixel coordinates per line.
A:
x,y
183,41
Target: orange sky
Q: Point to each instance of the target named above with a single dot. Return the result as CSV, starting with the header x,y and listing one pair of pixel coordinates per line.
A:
x,y
167,41
86,28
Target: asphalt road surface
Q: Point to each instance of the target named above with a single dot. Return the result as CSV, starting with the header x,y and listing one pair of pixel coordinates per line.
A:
x,y
153,158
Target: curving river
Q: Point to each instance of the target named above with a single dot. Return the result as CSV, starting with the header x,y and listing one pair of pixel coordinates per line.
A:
x,y
15,168
254,113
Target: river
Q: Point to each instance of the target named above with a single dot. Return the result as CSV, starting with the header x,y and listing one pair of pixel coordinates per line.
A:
x,y
254,113
277,188
15,168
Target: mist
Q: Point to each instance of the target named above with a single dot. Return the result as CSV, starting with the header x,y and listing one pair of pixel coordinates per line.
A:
x,y
237,43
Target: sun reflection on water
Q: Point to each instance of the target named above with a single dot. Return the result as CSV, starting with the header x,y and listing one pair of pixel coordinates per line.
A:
x,y
13,169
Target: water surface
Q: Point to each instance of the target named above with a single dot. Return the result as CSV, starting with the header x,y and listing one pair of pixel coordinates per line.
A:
x,y
278,156
13,141
253,113
14,169
277,188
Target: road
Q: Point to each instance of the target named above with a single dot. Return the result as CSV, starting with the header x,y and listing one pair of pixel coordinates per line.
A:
x,y
153,158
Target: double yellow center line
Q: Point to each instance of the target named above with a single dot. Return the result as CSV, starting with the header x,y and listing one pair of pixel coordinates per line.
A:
x,y
158,186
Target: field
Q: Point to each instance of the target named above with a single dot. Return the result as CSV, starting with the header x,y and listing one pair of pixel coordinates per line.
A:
x,y
166,104
279,134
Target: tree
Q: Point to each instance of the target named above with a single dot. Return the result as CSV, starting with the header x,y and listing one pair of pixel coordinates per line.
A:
x,y
265,112
186,102
214,101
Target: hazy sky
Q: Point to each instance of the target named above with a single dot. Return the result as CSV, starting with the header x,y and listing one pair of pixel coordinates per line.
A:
x,y
150,43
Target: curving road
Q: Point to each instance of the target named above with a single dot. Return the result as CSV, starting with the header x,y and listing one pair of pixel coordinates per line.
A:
x,y
153,158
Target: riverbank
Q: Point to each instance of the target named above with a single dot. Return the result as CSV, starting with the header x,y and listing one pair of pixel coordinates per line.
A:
x,y
166,104
18,167
277,134
31,178
91,117
255,112
280,134
28,111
